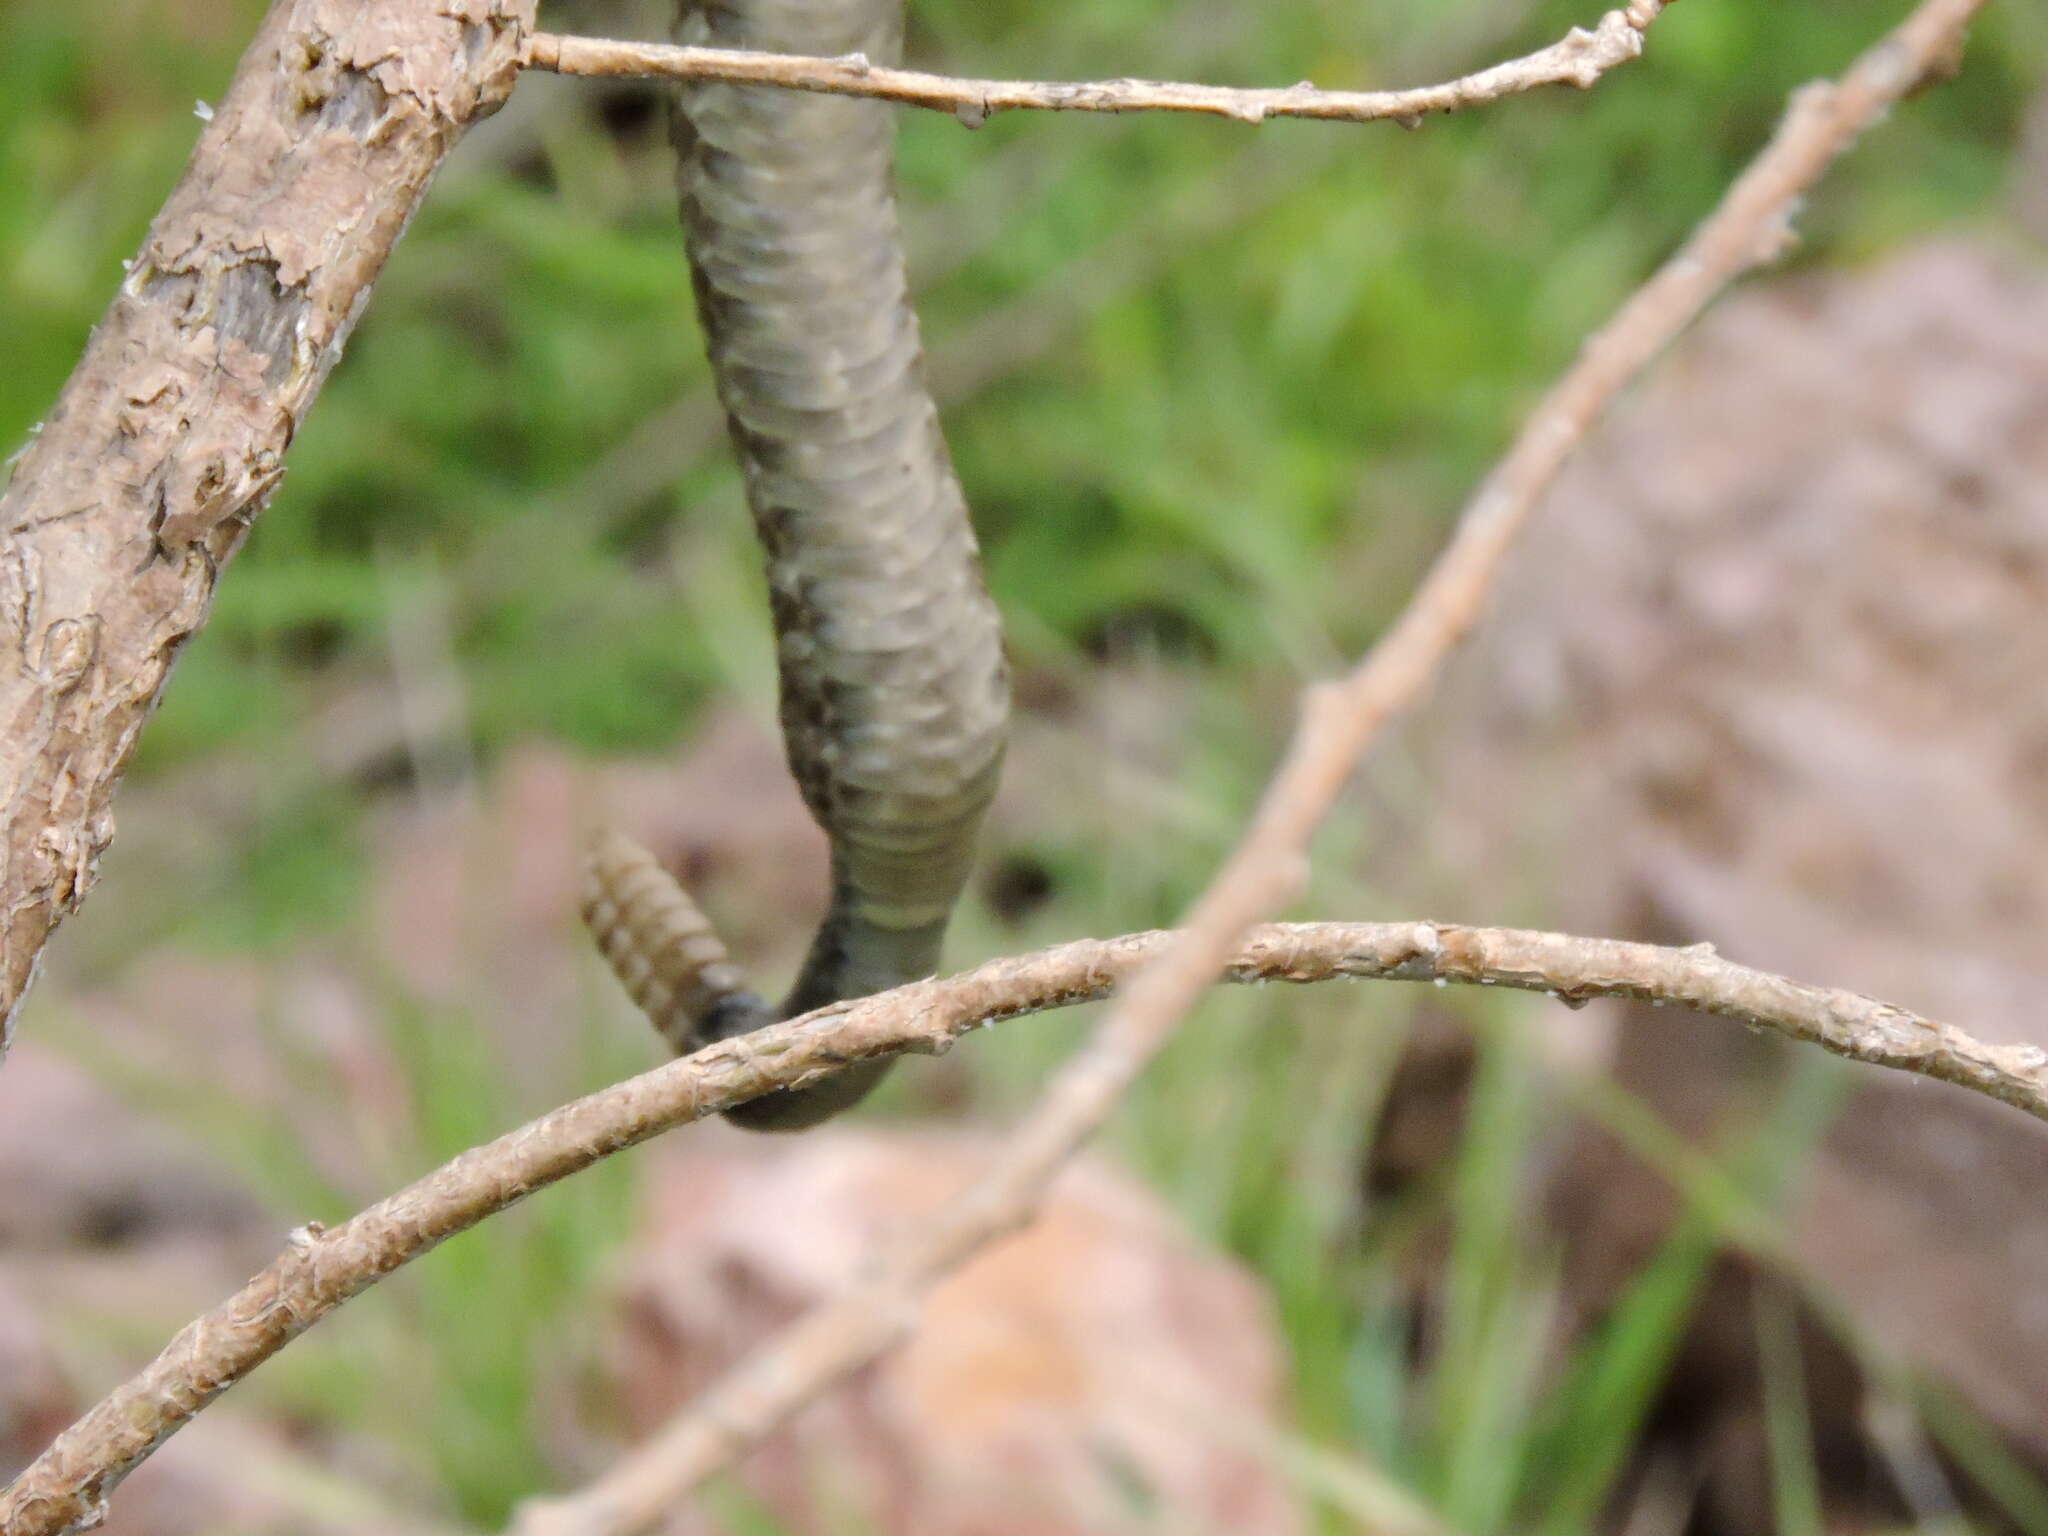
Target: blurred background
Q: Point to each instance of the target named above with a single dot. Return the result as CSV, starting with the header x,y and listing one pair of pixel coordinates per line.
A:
x,y
1351,1259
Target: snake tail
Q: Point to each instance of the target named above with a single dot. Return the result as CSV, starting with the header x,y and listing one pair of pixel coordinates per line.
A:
x,y
664,951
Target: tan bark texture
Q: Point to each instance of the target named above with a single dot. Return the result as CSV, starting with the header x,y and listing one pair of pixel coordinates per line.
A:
x,y
170,435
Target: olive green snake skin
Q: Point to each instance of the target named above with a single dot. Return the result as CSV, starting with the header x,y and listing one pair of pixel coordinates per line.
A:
x,y
894,692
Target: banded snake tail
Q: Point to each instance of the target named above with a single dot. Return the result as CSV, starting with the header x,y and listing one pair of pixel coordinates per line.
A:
x,y
894,691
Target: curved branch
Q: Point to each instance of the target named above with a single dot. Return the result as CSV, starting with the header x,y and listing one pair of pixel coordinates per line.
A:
x,y
321,1269
1579,59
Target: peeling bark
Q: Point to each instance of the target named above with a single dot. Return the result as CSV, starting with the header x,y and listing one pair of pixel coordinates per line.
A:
x,y
170,435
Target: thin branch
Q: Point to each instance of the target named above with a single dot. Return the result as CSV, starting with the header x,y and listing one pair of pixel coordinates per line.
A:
x,y
320,1269
1579,59
1751,225
170,434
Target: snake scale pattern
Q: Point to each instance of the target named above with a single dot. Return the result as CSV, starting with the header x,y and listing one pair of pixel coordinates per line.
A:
x,y
894,690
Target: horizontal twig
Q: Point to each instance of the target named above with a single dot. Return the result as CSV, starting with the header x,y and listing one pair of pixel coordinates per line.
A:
x,y
929,1016
1579,59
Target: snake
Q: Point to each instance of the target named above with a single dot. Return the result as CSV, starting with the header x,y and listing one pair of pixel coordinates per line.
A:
x,y
893,686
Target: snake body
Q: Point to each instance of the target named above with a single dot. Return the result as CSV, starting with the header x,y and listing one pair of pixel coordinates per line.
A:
x,y
894,691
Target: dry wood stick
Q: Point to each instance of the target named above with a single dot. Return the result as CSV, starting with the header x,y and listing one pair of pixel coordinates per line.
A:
x,y
1579,59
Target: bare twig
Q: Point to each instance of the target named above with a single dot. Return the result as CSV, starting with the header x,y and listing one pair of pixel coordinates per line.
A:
x,y
1751,225
320,1269
1579,59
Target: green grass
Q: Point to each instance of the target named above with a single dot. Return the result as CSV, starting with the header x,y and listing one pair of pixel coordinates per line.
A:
x,y
1285,339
